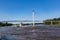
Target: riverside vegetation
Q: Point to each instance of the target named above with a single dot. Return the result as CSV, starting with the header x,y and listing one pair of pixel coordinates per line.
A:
x,y
54,21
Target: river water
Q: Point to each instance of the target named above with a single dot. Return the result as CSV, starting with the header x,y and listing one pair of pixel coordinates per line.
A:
x,y
40,32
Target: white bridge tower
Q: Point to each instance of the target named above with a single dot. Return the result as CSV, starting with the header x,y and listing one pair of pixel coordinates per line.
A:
x,y
33,16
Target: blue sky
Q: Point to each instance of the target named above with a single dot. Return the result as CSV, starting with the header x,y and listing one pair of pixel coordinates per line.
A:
x,y
22,9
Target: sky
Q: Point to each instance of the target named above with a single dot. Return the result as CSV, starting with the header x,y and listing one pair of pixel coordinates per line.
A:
x,y
22,9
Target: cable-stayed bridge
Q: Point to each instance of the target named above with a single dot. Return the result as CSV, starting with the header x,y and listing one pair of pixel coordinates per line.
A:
x,y
23,21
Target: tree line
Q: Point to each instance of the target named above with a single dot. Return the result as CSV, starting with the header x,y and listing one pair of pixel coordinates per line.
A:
x,y
52,21
5,24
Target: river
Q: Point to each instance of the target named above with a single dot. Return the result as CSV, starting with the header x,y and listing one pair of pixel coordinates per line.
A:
x,y
40,32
